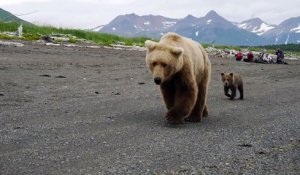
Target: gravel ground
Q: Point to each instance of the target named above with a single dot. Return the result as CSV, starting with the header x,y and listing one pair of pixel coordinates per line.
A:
x,y
71,110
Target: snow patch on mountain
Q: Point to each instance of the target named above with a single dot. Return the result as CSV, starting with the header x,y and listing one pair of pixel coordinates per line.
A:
x,y
168,24
287,39
208,21
241,26
259,30
296,29
147,23
97,29
263,29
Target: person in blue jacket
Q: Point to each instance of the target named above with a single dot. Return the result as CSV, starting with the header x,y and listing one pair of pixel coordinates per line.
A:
x,y
280,56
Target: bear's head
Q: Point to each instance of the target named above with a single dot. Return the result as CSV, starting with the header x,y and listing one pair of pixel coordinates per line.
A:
x,y
163,60
227,79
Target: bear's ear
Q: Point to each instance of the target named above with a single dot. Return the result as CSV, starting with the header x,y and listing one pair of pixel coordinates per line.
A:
x,y
177,51
150,45
231,74
222,74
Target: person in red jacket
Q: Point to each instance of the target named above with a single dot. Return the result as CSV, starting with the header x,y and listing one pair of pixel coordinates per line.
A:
x,y
250,57
239,56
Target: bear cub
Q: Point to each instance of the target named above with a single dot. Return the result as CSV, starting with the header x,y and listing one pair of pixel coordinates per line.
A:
x,y
232,81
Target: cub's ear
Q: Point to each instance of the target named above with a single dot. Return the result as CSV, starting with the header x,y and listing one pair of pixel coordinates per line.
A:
x,y
222,74
177,51
231,74
150,45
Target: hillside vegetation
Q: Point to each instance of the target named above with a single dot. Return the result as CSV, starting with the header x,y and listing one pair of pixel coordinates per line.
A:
x,y
8,17
32,32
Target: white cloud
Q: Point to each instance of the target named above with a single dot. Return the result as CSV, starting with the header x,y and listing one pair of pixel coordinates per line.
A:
x,y
17,2
108,2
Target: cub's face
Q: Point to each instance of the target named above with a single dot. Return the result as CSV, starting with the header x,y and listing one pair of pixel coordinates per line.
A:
x,y
227,79
163,61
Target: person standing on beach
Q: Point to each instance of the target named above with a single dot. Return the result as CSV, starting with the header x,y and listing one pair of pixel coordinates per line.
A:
x,y
280,56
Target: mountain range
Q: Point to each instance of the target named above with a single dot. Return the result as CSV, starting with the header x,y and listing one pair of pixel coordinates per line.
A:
x,y
212,28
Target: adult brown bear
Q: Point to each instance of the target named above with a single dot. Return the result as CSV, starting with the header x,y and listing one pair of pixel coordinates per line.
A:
x,y
182,69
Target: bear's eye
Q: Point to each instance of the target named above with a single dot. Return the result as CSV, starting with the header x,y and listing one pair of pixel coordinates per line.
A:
x,y
163,64
154,63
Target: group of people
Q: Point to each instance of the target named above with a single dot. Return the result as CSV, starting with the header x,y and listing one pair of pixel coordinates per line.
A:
x,y
262,57
239,57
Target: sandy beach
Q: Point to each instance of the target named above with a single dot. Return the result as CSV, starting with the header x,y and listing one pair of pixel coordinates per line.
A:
x,y
78,110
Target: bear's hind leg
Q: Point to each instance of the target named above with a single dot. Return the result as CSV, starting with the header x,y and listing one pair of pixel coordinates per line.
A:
x,y
195,116
200,108
205,112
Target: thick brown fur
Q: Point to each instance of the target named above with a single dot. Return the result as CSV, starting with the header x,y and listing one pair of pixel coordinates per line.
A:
x,y
182,69
232,81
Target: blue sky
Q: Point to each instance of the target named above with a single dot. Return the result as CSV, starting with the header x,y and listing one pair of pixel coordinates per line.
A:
x,y
91,13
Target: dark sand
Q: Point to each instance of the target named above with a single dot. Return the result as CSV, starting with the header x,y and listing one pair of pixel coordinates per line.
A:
x,y
97,111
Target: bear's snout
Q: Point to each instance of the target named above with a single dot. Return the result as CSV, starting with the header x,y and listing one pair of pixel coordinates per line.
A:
x,y
157,80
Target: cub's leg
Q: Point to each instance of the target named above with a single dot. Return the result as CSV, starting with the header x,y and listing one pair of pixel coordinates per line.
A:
x,y
241,90
233,93
226,89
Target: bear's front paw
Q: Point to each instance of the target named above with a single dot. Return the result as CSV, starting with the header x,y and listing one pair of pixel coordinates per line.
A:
x,y
193,119
173,120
